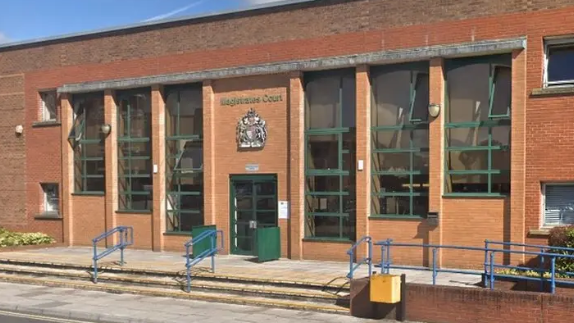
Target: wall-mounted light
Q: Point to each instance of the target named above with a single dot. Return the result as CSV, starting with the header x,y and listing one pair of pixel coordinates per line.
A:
x,y
434,110
19,129
106,129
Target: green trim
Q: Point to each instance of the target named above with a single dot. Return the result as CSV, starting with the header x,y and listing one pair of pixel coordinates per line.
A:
x,y
327,240
142,212
332,193
46,124
395,217
396,194
475,195
178,233
87,193
328,214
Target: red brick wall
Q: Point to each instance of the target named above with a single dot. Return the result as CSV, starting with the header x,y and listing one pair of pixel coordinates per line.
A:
x,y
401,231
87,219
142,228
443,304
324,250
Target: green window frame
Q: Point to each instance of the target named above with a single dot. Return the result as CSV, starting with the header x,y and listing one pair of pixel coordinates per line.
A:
x,y
336,207
410,201
495,121
184,201
88,143
135,179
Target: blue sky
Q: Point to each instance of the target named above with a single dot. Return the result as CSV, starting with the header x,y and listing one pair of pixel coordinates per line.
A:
x,y
22,20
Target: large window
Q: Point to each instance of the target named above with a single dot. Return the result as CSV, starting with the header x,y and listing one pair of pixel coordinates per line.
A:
x,y
478,125
88,144
184,156
134,150
400,140
330,154
559,62
558,204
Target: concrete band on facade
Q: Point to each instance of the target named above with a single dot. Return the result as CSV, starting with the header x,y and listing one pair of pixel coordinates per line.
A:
x,y
271,72
384,57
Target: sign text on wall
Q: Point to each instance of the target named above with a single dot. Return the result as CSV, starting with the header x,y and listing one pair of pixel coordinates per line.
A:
x,y
251,100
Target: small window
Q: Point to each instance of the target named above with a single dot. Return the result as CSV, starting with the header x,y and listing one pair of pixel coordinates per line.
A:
x,y
558,204
48,106
559,63
51,198
500,91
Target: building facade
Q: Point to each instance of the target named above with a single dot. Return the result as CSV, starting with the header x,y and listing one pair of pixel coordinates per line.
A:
x,y
423,123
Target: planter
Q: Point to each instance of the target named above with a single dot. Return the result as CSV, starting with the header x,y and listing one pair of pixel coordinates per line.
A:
x,y
522,285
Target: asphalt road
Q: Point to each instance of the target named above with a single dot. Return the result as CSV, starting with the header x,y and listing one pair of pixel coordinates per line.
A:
x,y
12,317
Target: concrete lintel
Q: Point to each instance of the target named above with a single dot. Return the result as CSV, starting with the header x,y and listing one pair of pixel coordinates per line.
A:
x,y
382,57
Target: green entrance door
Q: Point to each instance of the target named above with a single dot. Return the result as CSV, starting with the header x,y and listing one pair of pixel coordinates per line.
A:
x,y
253,205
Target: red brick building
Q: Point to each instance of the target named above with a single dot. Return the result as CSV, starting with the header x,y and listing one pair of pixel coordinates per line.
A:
x,y
340,134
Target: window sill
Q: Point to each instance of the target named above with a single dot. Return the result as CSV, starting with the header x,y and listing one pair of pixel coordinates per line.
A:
x,y
178,233
539,232
328,240
43,124
48,216
553,90
475,195
88,194
396,217
142,212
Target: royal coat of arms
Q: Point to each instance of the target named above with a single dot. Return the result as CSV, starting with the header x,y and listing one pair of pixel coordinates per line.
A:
x,y
251,131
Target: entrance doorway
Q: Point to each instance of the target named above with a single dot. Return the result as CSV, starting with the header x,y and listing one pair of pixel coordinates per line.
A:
x,y
253,204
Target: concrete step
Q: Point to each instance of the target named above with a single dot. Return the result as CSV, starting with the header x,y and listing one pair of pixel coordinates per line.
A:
x,y
197,272
221,297
179,283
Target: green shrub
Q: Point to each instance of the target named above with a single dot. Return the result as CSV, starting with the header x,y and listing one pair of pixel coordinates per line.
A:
x,y
563,237
10,239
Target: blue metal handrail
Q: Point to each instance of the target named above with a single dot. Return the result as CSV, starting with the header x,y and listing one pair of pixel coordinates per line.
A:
x,y
366,260
126,238
211,252
489,263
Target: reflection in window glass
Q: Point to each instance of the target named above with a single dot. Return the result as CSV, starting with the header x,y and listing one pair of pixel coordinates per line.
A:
x,y
134,150
478,125
330,153
560,64
400,140
184,157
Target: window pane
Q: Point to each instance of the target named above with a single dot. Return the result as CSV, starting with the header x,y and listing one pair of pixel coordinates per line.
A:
x,y
467,137
501,183
469,183
349,101
420,138
502,91
394,183
391,139
190,220
391,91
191,155
394,205
188,103
323,184
421,100
328,204
421,162
468,160
323,102
501,136
325,226
392,162
420,205
135,115
135,149
468,93
323,152
560,63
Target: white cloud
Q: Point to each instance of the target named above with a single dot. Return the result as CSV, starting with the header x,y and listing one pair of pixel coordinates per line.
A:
x,y
4,38
176,11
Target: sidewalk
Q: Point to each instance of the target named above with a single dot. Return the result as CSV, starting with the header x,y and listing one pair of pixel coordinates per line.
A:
x,y
111,308
317,272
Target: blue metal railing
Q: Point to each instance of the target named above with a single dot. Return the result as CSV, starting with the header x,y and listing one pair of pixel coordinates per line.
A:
x,y
125,239
211,252
366,260
490,265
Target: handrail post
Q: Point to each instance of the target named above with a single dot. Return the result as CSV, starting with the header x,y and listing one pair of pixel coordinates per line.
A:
x,y
434,273
122,246
553,273
187,268
212,240
485,261
95,260
541,265
389,256
351,256
383,259
370,255
492,270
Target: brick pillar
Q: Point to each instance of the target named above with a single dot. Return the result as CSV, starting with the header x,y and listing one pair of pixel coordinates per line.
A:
x,y
363,121
111,163
209,197
67,119
517,155
436,153
296,165
158,158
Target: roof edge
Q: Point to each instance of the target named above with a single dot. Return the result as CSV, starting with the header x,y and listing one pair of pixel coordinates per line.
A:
x,y
150,24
